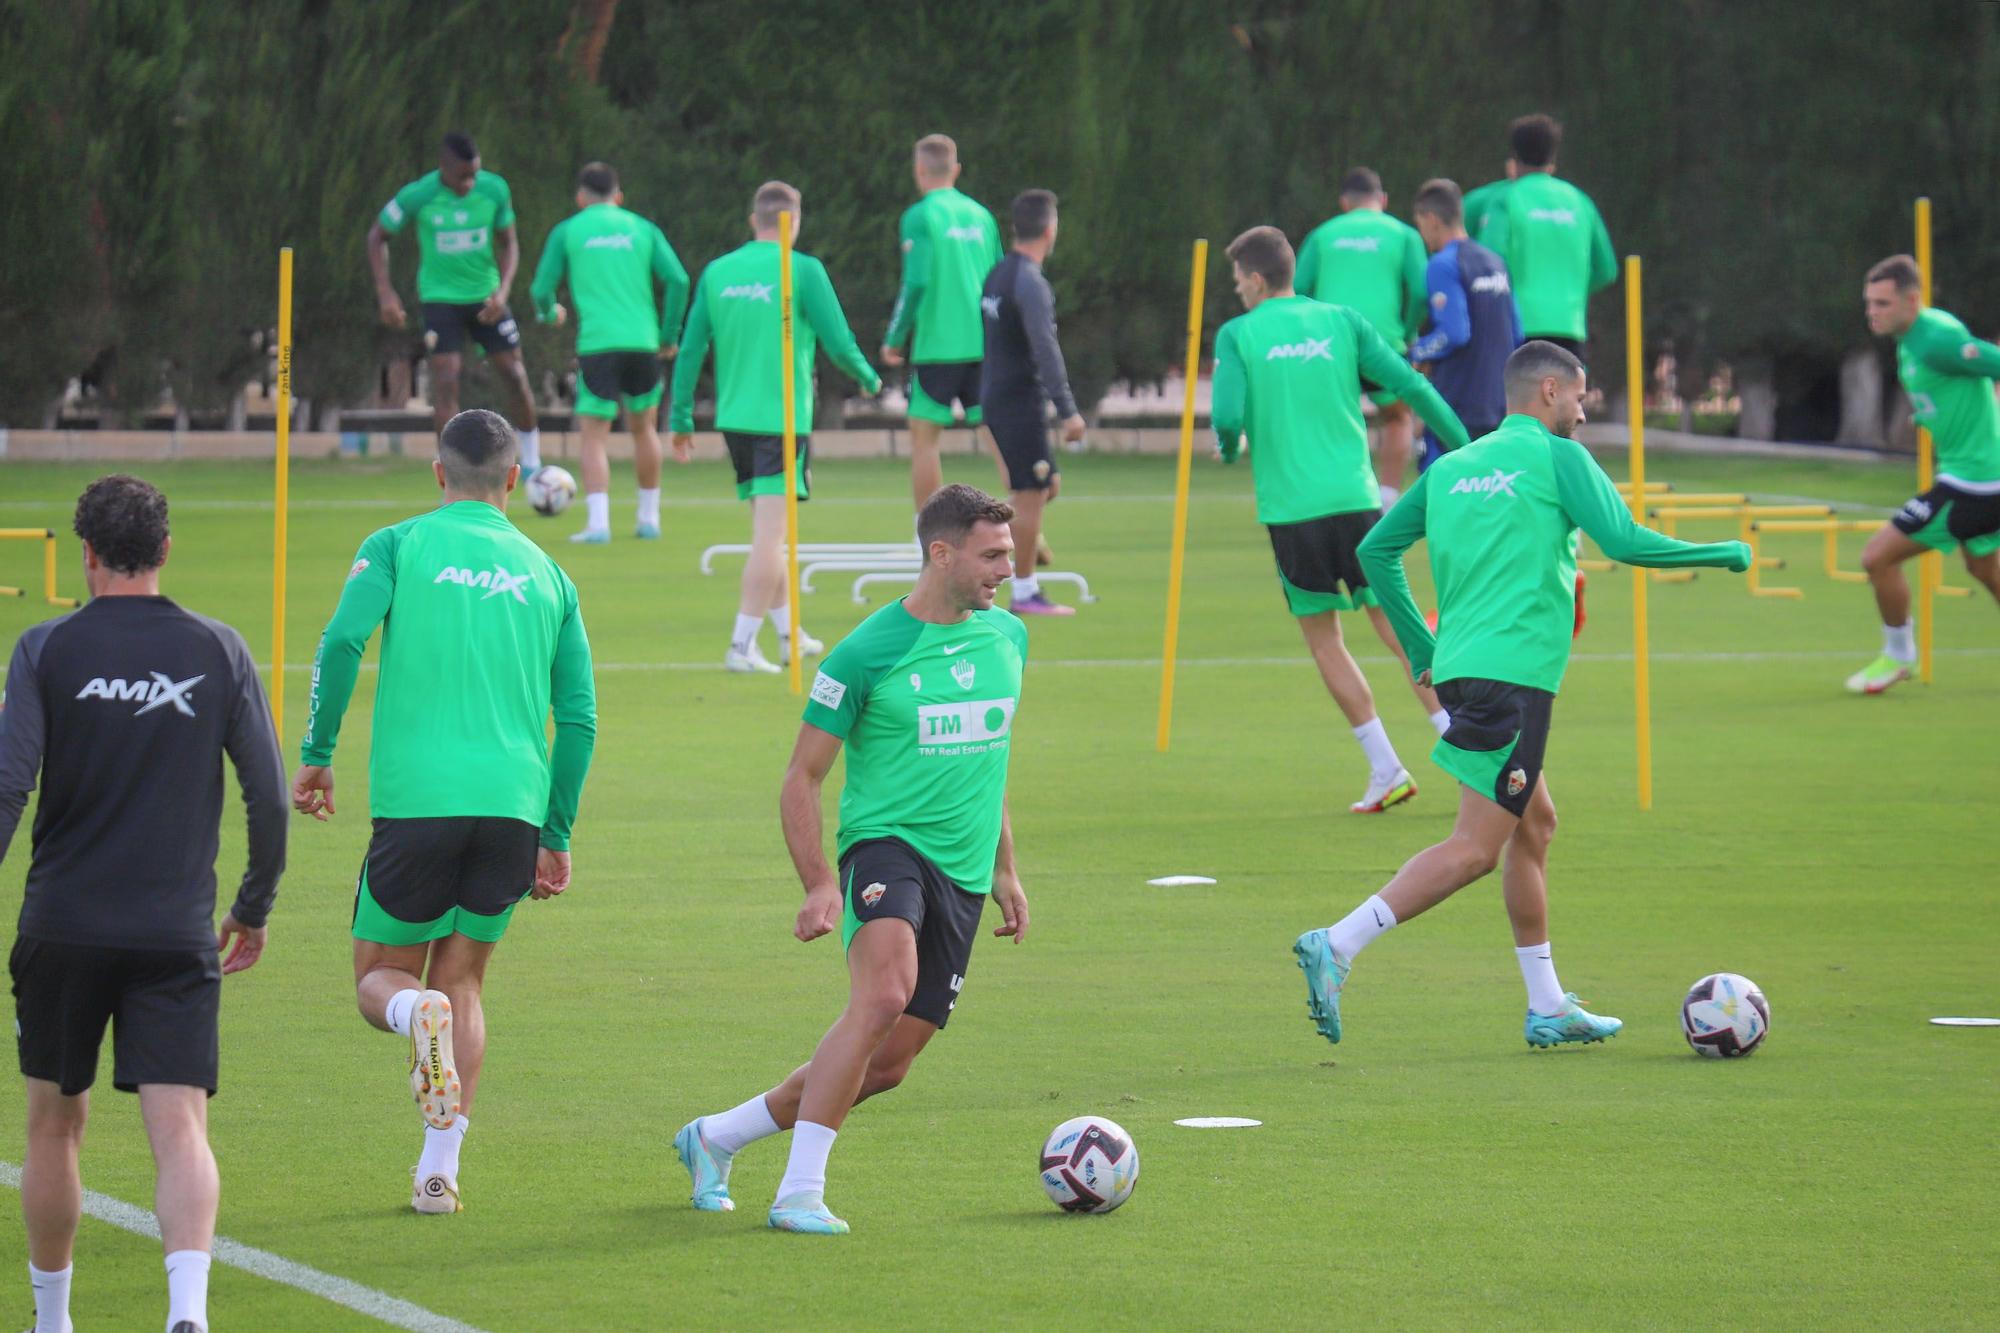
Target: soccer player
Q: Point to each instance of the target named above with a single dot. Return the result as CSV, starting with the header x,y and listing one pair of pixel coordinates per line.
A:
x,y
1288,372
467,255
736,306
1499,515
1475,325
1948,374
950,243
1551,238
126,708
1372,263
481,639
1023,373
611,259
923,695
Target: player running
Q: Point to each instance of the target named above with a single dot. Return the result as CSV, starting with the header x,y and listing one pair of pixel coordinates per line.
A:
x,y
1475,325
1023,373
1500,515
923,695
1372,263
1289,373
467,255
736,306
1551,238
611,259
1947,373
481,638
126,708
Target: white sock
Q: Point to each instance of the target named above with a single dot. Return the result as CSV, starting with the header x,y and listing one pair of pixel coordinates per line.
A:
x,y
1027,587
781,621
1389,497
1374,740
1538,969
597,510
1900,641
734,1129
805,1173
1355,931
745,637
1441,720
51,1298
649,506
531,449
401,1005
440,1156
187,1288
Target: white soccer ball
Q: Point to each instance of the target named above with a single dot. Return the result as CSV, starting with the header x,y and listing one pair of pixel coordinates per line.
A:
x,y
1089,1165
550,489
1725,1015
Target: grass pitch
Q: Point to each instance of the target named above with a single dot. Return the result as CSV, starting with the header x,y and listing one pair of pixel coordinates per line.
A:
x,y
1429,1171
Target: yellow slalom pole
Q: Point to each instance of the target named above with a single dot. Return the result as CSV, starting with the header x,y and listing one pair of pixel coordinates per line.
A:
x,y
791,439
1635,380
1930,566
1177,561
284,496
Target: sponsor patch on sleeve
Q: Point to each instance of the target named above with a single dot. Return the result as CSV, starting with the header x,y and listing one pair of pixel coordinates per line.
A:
x,y
393,211
1439,300
359,565
828,691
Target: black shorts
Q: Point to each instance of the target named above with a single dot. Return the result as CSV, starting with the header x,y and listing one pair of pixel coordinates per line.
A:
x,y
760,463
162,1006
939,383
447,327
1319,567
1949,515
424,879
886,877
1023,440
616,375
1498,737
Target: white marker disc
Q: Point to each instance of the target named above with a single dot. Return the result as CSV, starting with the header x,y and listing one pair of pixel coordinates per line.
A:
x,y
1966,1022
1218,1122
1179,881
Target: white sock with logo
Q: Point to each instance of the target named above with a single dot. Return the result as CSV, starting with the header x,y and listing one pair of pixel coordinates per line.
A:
x,y
745,637
805,1173
1030,586
531,450
1442,721
1389,497
740,1126
187,1288
1374,738
440,1155
649,506
597,511
1358,929
1538,969
51,1298
401,1005
781,621
1900,641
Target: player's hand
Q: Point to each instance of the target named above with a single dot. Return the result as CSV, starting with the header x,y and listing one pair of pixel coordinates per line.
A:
x,y
494,310
670,351
821,912
890,356
1072,428
1424,678
249,944
312,791
559,315
1013,906
389,307
683,447
551,874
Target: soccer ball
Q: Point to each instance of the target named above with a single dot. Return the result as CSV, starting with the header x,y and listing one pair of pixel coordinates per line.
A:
x,y
550,489
1725,1015
1089,1165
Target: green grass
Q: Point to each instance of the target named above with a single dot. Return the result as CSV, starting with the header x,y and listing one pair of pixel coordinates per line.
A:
x,y
1430,1171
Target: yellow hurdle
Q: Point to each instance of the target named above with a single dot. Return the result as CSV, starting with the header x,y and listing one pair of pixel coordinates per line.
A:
x,y
48,541
1831,528
1698,498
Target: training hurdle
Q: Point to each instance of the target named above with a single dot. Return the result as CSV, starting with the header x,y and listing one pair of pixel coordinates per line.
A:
x,y
1746,516
48,541
1831,527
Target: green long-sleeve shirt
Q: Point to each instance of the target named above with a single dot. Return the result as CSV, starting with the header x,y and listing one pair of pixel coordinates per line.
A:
x,y
950,243
1371,262
482,639
1947,373
1500,515
611,259
1557,253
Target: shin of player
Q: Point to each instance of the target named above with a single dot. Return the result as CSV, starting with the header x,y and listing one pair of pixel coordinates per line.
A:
x,y
923,697
1499,517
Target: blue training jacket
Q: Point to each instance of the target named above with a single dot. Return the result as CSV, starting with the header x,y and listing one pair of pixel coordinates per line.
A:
x,y
1474,327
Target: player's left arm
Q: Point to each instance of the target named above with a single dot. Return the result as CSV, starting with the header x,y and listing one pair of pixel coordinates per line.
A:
x,y
1603,259
1007,894
1594,504
673,278
916,244
1381,555
1037,304
507,253
251,742
573,703
1970,356
1305,278
364,604
23,736
1416,283
1228,395
821,308
549,276
804,824
1386,366
1451,314
687,369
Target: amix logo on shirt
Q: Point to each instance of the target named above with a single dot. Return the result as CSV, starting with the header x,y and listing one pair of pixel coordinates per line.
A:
x,y
1312,349
161,691
958,728
748,291
1365,243
622,241
1497,484
1491,282
965,234
497,581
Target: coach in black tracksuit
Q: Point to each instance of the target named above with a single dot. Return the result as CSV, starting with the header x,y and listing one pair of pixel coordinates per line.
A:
x,y
126,708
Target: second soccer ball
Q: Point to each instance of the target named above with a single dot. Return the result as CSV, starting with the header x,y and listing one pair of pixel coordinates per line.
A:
x,y
1089,1165
550,489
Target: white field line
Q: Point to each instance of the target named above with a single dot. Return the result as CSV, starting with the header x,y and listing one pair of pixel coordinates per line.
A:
x,y
362,1300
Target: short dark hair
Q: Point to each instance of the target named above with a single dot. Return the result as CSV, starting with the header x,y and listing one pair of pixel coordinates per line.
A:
x,y
1032,213
477,447
598,178
1265,250
1360,183
458,144
1441,199
1901,270
1535,139
771,199
1534,361
953,511
125,521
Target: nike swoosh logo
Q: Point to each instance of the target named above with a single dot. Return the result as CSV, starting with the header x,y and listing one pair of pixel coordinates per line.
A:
x,y
951,648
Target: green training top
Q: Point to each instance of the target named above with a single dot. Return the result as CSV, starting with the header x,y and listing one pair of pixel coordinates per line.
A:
x,y
736,305
1289,373
611,258
1480,204
1557,253
455,263
1500,515
481,638
1373,263
950,244
1946,372
927,714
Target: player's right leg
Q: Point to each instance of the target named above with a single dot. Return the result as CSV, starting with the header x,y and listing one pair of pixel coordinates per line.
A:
x,y
446,368
933,389
646,459
1395,439
187,1191
593,422
926,467
1389,783
1917,528
763,577
52,1195
1984,568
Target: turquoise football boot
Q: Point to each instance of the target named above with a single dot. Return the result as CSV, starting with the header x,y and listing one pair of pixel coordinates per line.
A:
x,y
647,532
806,1214
1572,1023
1325,975
707,1168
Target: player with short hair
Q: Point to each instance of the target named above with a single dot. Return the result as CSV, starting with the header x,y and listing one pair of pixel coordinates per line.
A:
x,y
1023,373
1550,236
1475,325
1948,374
1372,262
1288,372
482,639
467,255
611,260
125,709
736,306
1500,515
923,695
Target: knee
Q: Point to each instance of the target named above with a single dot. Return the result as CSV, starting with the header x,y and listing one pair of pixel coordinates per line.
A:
x,y
1537,829
1476,860
59,1119
1876,561
444,375
881,1003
